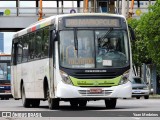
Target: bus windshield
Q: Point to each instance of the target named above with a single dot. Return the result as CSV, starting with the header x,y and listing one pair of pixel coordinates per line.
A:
x,y
4,71
101,48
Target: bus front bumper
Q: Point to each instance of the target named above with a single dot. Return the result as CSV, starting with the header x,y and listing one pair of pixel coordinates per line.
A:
x,y
69,91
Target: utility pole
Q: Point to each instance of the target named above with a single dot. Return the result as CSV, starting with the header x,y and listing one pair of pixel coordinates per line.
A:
x,y
131,9
124,8
40,11
127,7
85,2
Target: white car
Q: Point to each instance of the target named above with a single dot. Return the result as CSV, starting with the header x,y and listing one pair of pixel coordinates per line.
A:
x,y
139,88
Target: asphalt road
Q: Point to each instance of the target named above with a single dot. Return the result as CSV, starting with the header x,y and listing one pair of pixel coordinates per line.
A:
x,y
126,109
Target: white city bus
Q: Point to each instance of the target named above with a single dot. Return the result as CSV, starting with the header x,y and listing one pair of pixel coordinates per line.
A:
x,y
75,58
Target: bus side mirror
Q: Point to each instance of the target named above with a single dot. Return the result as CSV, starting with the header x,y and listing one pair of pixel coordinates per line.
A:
x,y
54,35
132,34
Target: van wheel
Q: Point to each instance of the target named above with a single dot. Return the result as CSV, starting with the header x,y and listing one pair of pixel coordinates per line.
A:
x,y
146,97
138,97
110,103
26,102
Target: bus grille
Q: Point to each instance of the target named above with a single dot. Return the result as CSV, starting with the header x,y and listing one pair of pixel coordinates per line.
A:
x,y
87,93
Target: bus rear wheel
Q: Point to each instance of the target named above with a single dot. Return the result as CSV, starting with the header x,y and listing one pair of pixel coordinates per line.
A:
x,y
35,102
110,103
26,102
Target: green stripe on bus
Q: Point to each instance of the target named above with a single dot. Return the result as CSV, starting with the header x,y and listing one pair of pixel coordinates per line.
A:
x,y
95,82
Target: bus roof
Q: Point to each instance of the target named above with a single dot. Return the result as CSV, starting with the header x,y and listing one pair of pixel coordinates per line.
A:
x,y
50,20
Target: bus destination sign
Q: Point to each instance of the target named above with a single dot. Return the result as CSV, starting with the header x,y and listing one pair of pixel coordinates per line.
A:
x,y
88,22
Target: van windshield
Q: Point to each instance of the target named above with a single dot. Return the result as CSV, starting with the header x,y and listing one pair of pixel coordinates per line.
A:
x,y
137,81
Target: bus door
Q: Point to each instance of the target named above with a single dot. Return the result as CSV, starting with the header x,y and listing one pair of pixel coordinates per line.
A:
x,y
14,84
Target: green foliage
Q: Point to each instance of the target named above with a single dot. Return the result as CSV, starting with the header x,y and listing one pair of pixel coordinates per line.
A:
x,y
146,48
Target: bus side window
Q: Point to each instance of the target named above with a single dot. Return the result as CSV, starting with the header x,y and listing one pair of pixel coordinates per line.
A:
x,y
25,49
19,51
45,42
31,46
38,43
13,56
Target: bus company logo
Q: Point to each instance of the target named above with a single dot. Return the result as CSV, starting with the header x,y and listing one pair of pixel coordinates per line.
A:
x,y
6,114
96,83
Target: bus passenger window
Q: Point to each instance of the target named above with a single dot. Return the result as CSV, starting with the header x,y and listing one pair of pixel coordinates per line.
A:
x,y
38,44
25,49
19,55
31,46
45,42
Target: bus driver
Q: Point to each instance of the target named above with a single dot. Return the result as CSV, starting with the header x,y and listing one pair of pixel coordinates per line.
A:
x,y
118,58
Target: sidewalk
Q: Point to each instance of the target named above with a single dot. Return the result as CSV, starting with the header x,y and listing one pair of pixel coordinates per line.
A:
x,y
155,96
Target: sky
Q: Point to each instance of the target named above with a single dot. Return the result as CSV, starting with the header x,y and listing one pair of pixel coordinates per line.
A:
x,y
8,42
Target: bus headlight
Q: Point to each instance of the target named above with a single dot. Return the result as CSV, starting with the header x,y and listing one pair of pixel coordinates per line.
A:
x,y
124,78
65,78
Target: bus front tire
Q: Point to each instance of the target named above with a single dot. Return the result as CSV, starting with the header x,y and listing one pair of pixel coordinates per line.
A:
x,y
53,103
82,103
74,103
26,102
110,103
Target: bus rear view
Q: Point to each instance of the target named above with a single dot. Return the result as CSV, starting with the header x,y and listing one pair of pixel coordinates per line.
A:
x,y
5,76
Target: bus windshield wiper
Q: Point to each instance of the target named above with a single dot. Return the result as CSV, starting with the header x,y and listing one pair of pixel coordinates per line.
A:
x,y
75,40
105,35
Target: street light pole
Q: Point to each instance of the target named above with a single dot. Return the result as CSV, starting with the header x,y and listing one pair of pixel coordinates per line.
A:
x,y
85,6
124,8
40,11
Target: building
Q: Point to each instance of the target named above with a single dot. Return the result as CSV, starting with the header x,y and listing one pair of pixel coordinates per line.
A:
x,y
1,42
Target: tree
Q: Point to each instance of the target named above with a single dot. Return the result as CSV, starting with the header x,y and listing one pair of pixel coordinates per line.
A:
x,y
146,48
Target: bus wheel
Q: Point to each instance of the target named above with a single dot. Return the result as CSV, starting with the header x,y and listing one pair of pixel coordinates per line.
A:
x,y
74,103
35,103
52,102
110,103
82,103
2,98
6,98
25,102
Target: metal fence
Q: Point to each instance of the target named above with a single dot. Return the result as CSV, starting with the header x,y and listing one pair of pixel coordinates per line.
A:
x,y
49,11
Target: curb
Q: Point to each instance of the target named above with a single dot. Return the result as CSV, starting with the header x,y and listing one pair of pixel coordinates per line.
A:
x,y
154,97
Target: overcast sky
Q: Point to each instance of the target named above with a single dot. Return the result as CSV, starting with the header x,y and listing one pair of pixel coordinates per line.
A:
x,y
8,41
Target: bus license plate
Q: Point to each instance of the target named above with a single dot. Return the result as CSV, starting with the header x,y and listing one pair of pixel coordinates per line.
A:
x,y
95,90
